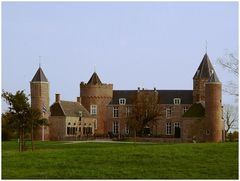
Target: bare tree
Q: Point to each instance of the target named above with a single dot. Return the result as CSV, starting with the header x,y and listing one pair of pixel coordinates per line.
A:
x,y
144,112
230,116
230,63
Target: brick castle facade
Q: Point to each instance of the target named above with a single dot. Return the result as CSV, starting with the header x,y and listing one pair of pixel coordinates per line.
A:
x,y
186,115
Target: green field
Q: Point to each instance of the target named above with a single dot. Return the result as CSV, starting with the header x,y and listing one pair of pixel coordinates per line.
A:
x,y
58,160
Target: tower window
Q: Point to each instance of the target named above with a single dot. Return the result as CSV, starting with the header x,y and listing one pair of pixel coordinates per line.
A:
x,y
122,101
207,132
93,109
177,101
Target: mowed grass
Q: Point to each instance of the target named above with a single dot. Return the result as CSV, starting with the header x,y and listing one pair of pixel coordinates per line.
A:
x,y
57,160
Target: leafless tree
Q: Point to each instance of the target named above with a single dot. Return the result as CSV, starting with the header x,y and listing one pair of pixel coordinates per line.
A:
x,y
230,116
144,112
230,63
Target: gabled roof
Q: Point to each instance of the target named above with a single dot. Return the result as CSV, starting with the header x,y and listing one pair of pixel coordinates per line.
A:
x,y
213,77
68,108
94,79
164,96
196,110
205,68
39,76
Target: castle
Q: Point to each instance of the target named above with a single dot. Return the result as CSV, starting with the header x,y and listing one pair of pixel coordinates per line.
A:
x,y
186,115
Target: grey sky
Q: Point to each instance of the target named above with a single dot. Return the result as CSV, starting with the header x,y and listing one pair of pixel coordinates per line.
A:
x,y
148,45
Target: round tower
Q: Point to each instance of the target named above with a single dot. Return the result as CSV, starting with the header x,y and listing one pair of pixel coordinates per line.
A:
x,y
214,129
200,78
40,100
95,97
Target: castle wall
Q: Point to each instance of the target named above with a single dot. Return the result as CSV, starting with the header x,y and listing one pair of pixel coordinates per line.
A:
x,y
57,126
192,129
121,119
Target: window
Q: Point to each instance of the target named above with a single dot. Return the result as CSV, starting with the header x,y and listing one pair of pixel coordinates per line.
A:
x,y
115,127
177,101
177,125
168,112
168,129
122,101
126,130
80,113
115,112
87,130
71,130
207,132
128,111
185,109
93,109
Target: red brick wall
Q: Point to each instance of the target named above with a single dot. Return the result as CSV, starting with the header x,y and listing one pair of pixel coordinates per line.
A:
x,y
213,111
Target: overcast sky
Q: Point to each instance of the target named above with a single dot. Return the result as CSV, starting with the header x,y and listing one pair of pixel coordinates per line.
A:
x,y
157,44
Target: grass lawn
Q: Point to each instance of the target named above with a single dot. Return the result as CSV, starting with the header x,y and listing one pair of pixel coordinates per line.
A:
x,y
57,160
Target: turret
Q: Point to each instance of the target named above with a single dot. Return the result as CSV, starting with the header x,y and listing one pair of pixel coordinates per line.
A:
x,y
40,100
201,76
214,129
95,96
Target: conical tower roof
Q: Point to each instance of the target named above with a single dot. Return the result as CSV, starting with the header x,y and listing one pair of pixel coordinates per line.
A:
x,y
39,76
94,79
205,68
213,78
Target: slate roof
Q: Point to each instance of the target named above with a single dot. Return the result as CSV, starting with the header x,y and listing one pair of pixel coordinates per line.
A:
x,y
128,94
164,96
68,108
213,77
39,76
94,79
167,96
205,68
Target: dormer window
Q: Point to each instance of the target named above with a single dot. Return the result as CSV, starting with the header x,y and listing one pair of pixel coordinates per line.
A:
x,y
177,101
122,101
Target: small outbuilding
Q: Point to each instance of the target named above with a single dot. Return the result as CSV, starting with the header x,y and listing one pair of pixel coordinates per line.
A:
x,y
70,120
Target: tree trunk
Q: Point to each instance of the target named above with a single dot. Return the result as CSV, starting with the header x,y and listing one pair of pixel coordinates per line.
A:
x,y
19,140
32,136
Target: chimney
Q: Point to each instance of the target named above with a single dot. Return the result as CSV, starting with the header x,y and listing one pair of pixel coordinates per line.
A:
x,y
79,99
138,89
155,89
57,97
